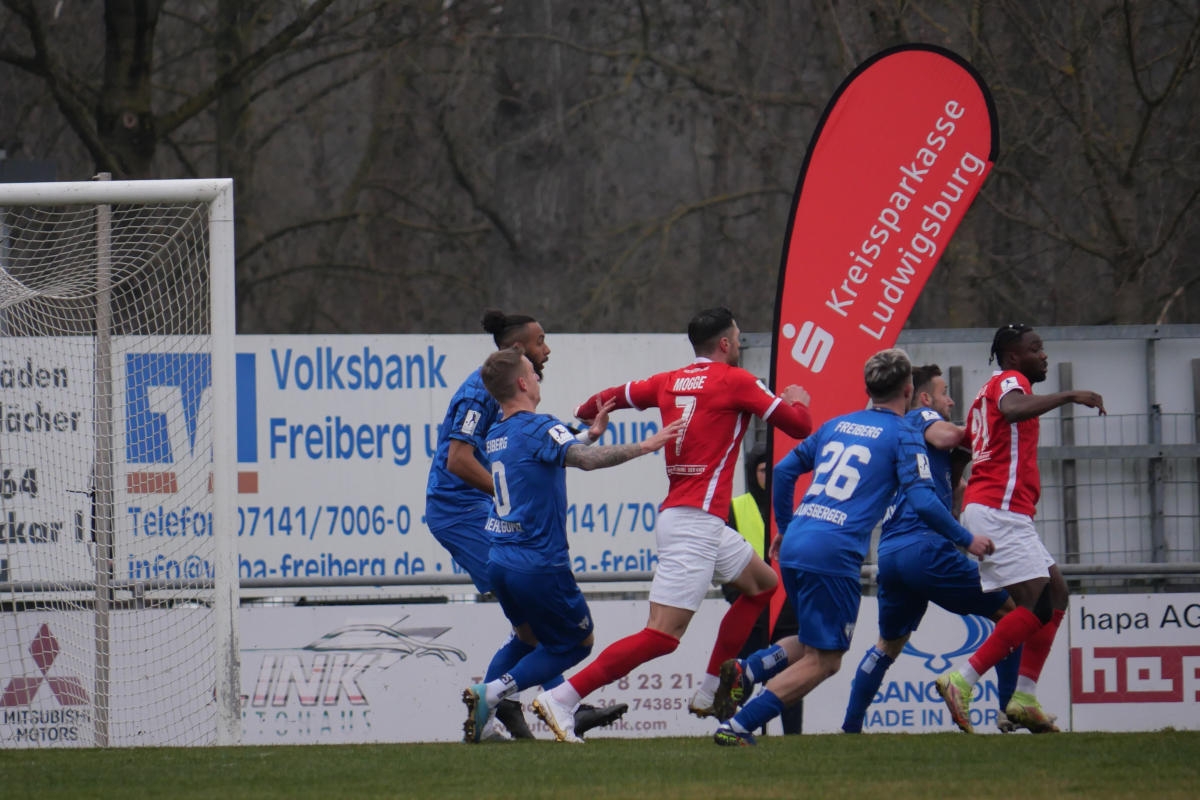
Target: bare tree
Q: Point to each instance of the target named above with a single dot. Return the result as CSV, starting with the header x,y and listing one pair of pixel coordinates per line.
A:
x,y
401,165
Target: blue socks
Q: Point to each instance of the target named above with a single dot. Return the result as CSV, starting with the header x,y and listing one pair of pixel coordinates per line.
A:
x,y
867,680
758,712
762,665
1006,677
542,666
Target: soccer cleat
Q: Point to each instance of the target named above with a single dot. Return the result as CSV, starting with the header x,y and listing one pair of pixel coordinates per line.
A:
x,y
558,717
510,713
701,703
1025,711
955,690
495,731
478,713
588,717
1005,724
733,689
726,736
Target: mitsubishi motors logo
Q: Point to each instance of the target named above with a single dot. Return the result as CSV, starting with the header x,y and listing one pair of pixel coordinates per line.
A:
x,y
20,691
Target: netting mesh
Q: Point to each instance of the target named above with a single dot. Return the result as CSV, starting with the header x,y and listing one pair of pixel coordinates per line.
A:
x,y
106,534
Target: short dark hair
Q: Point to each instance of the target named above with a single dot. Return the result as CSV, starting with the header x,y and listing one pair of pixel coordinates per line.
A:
x,y
886,374
505,328
500,371
924,375
1005,339
708,325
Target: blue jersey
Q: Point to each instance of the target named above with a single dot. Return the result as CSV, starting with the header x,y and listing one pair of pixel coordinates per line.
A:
x,y
858,462
471,414
902,522
528,520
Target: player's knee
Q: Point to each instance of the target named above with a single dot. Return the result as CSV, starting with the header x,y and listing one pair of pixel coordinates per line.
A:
x,y
1043,609
761,599
829,664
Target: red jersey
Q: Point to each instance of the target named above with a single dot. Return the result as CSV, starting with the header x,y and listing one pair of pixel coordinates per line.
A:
x,y
1004,473
716,401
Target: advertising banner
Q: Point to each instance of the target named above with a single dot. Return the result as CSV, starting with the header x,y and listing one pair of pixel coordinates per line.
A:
x,y
336,436
901,152
159,682
895,162
907,702
46,442
1135,662
397,673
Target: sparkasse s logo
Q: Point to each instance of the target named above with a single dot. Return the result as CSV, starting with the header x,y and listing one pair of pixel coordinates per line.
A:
x,y
812,346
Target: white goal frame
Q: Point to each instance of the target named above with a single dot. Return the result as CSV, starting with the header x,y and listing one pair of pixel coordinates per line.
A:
x,y
218,195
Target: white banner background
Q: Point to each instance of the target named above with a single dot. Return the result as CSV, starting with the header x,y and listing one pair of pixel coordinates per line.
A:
x,y
357,507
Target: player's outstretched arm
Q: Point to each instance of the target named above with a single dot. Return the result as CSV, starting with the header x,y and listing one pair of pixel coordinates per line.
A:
x,y
944,435
1016,406
610,455
613,397
600,421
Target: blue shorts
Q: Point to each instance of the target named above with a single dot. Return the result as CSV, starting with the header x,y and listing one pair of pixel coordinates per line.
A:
x,y
463,534
930,569
826,607
550,602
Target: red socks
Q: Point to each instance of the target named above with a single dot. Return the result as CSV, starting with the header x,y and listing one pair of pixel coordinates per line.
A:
x,y
620,657
736,626
1037,647
1013,630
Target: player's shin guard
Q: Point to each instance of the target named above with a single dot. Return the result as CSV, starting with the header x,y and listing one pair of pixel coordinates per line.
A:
x,y
867,679
619,658
762,665
1037,647
736,626
758,712
1012,631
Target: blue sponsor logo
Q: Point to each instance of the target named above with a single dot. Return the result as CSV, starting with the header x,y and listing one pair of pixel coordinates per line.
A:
x,y
163,393
247,409
978,629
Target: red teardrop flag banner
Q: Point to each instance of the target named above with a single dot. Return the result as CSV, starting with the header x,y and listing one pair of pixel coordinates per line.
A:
x,y
895,162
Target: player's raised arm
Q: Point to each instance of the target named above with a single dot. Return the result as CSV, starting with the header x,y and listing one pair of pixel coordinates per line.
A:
x,y
589,458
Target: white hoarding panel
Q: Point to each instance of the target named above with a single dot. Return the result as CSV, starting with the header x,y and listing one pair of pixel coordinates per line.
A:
x,y
907,701
336,436
48,696
1135,662
396,673
46,455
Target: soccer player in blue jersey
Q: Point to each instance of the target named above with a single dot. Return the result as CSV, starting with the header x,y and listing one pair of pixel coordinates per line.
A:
x,y
458,494
917,566
529,566
858,461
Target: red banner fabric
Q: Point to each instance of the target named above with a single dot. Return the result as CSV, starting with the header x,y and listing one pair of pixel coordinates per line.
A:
x,y
895,162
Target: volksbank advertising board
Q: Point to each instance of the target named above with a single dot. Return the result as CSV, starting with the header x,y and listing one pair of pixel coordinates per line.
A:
x,y
336,435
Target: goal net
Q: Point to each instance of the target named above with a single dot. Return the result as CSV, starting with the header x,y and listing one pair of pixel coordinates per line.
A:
x,y
118,565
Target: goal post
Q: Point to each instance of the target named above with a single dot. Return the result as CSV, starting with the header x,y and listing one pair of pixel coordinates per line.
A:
x,y
118,549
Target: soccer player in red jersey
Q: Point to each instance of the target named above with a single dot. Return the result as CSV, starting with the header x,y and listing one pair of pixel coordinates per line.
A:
x,y
1000,499
715,398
